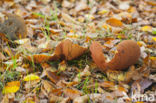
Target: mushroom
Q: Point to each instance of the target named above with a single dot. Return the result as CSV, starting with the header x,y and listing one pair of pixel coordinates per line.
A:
x,y
127,54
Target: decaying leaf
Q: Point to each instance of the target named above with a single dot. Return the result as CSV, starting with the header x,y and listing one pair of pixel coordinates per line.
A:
x,y
82,5
62,66
107,84
153,62
146,28
72,93
116,75
114,22
128,52
2,57
11,87
85,72
47,86
52,76
31,77
93,97
39,58
140,85
81,99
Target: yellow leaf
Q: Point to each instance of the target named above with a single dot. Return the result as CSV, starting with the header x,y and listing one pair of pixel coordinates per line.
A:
x,y
31,77
81,19
107,27
11,87
153,58
116,75
139,102
146,28
140,43
154,38
102,12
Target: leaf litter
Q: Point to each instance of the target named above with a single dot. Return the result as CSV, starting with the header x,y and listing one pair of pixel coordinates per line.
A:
x,y
77,51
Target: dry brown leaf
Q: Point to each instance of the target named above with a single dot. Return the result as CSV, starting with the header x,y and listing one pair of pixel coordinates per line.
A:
x,y
128,52
62,66
72,93
68,18
153,3
107,84
55,99
47,86
39,58
81,99
82,5
57,92
2,57
114,75
3,37
114,22
52,76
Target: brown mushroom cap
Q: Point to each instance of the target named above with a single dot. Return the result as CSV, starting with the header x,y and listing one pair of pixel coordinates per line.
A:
x,y
128,52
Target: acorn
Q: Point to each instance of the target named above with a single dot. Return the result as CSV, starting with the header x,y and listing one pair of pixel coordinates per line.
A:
x,y
127,54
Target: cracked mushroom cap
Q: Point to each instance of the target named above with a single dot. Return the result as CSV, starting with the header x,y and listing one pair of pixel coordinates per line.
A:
x,y
128,52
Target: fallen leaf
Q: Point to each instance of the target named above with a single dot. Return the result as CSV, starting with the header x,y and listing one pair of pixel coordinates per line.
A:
x,y
72,93
146,28
153,3
81,99
85,72
52,76
153,62
114,22
102,12
2,57
107,84
57,92
62,66
54,99
31,77
22,41
68,18
11,87
154,39
124,6
154,31
39,58
140,85
116,75
82,5
47,86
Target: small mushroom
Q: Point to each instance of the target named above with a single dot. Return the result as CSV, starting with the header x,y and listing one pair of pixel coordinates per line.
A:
x,y
127,54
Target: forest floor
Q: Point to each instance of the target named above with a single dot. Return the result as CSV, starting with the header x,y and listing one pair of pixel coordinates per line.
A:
x,y
78,51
